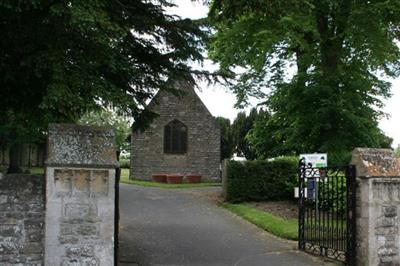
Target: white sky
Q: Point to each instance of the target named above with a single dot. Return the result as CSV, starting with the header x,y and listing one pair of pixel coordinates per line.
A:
x,y
221,102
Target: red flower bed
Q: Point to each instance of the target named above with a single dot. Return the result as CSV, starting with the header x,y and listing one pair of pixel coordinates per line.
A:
x,y
193,178
159,178
174,179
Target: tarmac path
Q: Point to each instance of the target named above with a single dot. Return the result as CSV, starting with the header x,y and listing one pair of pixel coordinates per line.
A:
x,y
186,227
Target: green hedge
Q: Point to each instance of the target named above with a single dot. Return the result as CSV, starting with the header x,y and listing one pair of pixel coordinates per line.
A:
x,y
261,180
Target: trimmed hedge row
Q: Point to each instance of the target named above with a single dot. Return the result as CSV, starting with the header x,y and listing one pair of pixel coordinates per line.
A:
x,y
261,180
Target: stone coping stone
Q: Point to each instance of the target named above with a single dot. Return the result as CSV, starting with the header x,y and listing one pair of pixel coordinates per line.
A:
x,y
372,162
79,145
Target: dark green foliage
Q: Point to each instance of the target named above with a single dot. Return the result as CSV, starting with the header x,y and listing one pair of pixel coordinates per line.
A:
x,y
340,52
61,59
266,137
234,137
241,127
339,158
67,57
332,194
227,140
261,180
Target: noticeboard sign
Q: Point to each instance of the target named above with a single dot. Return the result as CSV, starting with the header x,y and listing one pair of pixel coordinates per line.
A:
x,y
315,160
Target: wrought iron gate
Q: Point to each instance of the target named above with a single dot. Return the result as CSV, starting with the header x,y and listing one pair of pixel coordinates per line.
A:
x,y
327,211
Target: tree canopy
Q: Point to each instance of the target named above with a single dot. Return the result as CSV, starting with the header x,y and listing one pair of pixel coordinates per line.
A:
x,y
60,59
241,127
320,67
235,137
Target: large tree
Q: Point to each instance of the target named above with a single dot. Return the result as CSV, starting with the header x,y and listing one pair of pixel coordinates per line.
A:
x,y
318,64
60,59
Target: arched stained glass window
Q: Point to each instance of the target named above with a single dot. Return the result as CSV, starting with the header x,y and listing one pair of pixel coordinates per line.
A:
x,y
175,138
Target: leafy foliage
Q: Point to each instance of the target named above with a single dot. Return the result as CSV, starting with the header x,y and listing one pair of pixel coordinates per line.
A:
x,y
241,127
317,64
61,59
108,118
266,138
234,137
227,140
261,180
332,193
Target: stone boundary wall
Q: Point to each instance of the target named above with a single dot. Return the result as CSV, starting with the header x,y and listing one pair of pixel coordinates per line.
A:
x,y
22,219
377,207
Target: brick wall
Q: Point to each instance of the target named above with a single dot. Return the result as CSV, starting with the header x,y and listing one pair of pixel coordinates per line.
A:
x,y
21,220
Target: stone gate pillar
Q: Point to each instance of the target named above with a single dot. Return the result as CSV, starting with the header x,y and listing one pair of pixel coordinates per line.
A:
x,y
80,176
378,207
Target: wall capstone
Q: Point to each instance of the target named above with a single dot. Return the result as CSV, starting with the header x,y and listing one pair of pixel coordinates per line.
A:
x,y
375,162
76,145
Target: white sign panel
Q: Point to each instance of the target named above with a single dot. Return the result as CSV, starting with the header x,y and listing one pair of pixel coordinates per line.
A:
x,y
316,160
296,192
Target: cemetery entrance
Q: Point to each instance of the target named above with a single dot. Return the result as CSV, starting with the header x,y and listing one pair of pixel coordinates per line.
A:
x,y
327,211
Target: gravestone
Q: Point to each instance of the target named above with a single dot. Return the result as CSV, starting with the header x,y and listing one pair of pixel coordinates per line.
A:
x,y
80,176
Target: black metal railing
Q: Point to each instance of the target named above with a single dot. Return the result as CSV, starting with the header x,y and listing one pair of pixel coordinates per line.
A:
x,y
327,211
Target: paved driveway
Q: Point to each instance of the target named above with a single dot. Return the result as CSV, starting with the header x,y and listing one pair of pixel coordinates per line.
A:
x,y
185,227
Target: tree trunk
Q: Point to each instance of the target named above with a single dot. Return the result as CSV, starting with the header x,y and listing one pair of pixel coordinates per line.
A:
x,y
14,155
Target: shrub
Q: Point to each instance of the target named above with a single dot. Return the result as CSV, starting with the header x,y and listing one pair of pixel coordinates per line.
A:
x,y
261,180
339,158
332,193
124,163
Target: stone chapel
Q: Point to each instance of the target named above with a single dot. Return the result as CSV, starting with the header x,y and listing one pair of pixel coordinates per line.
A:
x,y
184,138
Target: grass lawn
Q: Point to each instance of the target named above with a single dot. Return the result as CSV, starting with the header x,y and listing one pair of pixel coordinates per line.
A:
x,y
125,179
275,225
37,171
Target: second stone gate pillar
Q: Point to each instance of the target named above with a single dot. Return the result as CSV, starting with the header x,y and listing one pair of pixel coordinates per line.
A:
x,y
378,207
